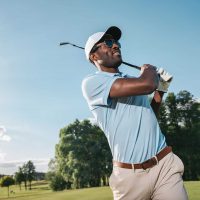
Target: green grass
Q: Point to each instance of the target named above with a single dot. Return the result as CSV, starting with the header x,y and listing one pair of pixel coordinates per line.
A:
x,y
193,189
41,191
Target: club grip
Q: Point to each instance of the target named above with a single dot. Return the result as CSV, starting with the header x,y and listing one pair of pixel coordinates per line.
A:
x,y
63,43
130,65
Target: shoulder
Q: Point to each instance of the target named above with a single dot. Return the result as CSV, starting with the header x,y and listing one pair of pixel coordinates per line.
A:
x,y
97,83
96,78
88,78
89,82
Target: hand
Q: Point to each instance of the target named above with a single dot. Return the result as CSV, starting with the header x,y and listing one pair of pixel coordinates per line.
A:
x,y
164,75
163,85
147,66
149,73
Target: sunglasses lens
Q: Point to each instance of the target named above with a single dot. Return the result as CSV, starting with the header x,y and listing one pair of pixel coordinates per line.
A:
x,y
109,43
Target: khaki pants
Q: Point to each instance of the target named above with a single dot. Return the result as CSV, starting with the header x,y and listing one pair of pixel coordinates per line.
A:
x,y
161,182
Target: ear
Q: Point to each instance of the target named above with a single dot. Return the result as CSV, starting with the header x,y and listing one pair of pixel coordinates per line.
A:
x,y
93,57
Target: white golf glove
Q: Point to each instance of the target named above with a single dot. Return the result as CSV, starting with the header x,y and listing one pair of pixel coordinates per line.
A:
x,y
165,80
163,85
164,74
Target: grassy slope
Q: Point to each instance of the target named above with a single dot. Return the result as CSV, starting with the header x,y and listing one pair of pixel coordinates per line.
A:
x,y
41,191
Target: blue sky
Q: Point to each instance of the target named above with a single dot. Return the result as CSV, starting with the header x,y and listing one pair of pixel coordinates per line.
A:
x,y
40,82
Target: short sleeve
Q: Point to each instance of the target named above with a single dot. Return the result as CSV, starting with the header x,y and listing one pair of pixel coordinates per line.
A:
x,y
96,89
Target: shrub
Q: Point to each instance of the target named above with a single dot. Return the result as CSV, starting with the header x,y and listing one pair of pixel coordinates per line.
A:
x,y
57,183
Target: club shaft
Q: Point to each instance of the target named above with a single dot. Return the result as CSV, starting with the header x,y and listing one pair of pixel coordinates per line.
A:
x,y
131,65
64,43
125,63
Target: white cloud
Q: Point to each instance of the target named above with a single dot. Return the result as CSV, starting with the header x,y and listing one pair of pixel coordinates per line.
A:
x,y
18,163
3,136
2,156
10,167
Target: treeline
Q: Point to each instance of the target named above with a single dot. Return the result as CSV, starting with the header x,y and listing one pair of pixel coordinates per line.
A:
x,y
25,174
180,122
83,157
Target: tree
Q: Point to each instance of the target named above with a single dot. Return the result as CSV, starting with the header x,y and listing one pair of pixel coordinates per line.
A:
x,y
52,165
30,172
7,181
19,177
28,169
188,109
83,155
173,114
25,173
189,112
162,118
183,130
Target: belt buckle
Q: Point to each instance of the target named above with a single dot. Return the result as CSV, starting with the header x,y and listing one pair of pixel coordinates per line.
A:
x,y
157,162
145,169
153,163
143,166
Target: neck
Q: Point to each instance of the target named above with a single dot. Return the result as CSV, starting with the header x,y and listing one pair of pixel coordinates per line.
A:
x,y
110,70
107,69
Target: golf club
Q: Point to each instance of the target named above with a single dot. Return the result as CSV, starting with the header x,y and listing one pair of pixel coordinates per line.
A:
x,y
74,45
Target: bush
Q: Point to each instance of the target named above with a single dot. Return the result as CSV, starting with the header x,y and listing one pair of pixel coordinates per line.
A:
x,y
57,183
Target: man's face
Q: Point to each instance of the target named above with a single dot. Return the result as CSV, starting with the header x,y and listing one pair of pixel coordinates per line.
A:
x,y
108,52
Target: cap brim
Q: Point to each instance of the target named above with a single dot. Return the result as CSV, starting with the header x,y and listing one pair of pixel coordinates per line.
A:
x,y
115,32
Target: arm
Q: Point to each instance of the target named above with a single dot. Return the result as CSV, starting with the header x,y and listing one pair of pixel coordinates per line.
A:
x,y
156,101
145,84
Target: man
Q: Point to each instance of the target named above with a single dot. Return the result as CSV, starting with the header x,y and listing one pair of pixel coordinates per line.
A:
x,y
144,167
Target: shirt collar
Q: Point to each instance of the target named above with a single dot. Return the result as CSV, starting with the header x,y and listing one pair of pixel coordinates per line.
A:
x,y
120,74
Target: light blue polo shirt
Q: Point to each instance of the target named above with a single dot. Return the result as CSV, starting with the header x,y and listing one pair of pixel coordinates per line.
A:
x,y
129,123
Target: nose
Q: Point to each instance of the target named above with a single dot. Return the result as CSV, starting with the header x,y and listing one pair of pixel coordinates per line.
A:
x,y
115,46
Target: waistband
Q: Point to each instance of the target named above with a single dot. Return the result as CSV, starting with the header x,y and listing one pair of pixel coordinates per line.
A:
x,y
146,164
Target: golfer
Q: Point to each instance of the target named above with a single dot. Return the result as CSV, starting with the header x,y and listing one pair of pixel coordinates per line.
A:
x,y
144,167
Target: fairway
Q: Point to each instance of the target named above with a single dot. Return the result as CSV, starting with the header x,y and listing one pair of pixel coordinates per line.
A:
x,y
41,191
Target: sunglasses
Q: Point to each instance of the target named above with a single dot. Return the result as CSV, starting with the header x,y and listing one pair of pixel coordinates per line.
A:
x,y
109,43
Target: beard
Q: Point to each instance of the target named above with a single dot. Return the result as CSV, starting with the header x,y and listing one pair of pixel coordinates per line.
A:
x,y
111,63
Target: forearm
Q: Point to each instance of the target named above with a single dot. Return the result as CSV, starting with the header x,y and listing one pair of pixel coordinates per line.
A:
x,y
145,84
124,87
156,101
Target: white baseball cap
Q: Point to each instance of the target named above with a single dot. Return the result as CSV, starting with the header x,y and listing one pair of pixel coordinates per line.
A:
x,y
96,37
